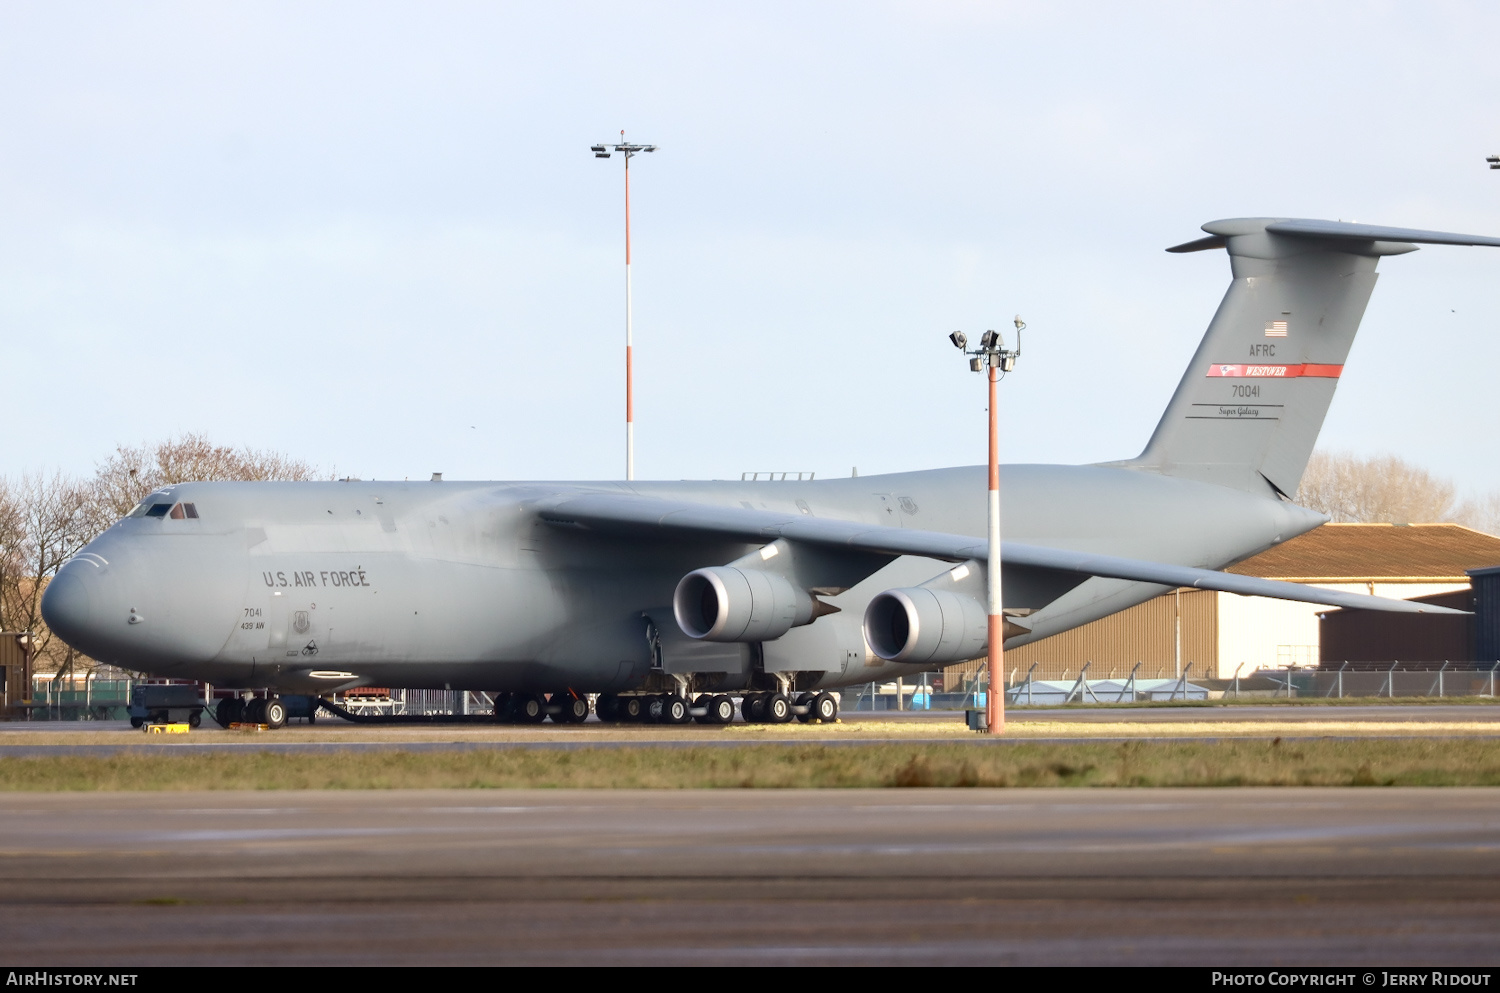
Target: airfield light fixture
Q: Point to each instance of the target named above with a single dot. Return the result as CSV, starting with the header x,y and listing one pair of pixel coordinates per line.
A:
x,y
993,357
627,151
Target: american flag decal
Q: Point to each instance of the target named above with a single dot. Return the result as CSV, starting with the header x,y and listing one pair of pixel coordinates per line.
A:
x,y
1276,329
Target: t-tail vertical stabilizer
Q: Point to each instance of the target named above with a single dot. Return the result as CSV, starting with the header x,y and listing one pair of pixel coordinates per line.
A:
x,y
1248,410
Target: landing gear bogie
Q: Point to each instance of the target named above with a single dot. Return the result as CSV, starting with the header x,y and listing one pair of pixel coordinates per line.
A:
x,y
530,708
670,709
714,710
568,708
778,709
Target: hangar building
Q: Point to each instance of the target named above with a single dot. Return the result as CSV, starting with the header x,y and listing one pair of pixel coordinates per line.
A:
x,y
1221,632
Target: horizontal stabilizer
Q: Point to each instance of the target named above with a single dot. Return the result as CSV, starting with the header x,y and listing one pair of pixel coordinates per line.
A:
x,y
1375,232
1221,231
621,512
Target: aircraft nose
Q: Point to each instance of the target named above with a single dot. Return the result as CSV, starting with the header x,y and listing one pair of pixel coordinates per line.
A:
x,y
68,608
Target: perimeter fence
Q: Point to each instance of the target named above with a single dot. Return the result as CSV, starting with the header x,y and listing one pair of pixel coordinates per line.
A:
x,y
963,690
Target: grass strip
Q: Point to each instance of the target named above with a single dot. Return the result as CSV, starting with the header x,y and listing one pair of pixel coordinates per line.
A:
x,y
1301,762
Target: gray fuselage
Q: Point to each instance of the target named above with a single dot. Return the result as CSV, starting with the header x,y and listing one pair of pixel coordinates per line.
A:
x,y
317,586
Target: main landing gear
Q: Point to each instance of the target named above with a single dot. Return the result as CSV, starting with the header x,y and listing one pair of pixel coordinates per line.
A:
x,y
564,707
717,708
780,708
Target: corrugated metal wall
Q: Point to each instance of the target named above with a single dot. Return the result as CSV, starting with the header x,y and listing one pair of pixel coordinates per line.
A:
x,y
1145,633
1377,636
13,669
1487,615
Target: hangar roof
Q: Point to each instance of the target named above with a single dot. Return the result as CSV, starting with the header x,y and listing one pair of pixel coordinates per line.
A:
x,y
1382,553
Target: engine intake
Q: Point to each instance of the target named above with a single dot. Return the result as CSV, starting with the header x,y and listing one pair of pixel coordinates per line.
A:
x,y
722,603
920,625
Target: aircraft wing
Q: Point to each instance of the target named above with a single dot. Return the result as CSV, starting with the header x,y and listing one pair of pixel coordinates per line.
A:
x,y
622,512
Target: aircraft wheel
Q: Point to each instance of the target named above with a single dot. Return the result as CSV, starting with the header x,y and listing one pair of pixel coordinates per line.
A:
x,y
607,706
255,712
655,704
530,709
718,710
505,708
805,700
824,708
229,711
778,709
753,708
674,710
195,720
137,722
575,709
633,709
275,712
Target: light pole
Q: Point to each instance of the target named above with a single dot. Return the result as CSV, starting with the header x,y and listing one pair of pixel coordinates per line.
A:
x,y
628,151
993,358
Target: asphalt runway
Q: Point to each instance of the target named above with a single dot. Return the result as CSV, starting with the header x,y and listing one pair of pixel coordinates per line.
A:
x,y
1395,877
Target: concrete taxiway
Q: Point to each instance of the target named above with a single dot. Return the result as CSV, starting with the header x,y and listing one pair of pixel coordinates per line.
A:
x,y
1206,877
1052,726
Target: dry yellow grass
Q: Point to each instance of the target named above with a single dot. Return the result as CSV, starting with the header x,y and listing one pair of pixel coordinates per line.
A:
x,y
1023,725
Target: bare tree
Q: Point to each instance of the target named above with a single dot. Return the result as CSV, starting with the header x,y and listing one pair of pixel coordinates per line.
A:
x,y
1383,489
12,554
1481,513
55,520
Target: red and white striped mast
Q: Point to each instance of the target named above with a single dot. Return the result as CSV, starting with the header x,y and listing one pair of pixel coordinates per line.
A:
x,y
628,151
993,359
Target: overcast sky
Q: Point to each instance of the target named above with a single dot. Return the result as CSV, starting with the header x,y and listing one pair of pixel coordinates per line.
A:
x,y
372,235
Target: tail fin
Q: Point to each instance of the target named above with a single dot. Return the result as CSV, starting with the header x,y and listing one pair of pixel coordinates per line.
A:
x,y
1248,410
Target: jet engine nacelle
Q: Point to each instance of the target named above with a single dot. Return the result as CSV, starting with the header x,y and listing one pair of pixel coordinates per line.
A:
x,y
723,603
920,625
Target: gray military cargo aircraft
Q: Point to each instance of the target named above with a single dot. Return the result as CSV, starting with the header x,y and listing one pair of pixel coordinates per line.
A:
x,y
659,600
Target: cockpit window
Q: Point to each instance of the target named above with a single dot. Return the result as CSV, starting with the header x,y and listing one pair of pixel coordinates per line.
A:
x,y
176,511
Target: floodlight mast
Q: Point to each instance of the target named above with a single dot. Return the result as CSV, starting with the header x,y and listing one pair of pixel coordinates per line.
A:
x,y
628,151
995,359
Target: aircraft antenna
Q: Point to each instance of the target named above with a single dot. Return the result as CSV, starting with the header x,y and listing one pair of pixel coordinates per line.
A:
x,y
627,151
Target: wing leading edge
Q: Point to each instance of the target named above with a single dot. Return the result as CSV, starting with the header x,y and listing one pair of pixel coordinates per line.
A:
x,y
646,515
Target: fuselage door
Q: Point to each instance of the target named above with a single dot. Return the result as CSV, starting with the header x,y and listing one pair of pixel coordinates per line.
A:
x,y
276,624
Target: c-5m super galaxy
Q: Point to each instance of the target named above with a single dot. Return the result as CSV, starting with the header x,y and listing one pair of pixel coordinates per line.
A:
x,y
664,600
